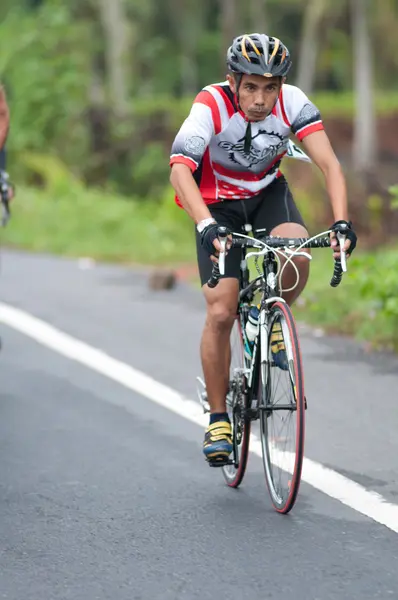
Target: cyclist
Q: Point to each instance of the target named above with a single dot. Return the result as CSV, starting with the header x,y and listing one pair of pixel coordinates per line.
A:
x,y
4,117
225,169
4,127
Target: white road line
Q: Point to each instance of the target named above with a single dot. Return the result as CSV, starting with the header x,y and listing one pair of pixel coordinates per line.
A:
x,y
326,480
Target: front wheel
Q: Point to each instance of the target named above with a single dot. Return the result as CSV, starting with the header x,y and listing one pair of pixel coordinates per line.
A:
x,y
282,408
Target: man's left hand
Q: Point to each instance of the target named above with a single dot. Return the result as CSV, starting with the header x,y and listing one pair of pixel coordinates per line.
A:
x,y
344,227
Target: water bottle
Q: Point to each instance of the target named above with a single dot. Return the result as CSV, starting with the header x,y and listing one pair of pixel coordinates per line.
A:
x,y
252,324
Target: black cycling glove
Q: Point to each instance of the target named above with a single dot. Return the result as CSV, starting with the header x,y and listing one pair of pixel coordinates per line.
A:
x,y
207,237
345,227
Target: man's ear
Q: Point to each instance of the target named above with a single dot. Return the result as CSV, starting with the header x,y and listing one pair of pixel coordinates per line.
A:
x,y
232,83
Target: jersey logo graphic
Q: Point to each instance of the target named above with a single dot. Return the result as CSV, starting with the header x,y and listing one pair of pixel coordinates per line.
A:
x,y
195,145
308,114
276,144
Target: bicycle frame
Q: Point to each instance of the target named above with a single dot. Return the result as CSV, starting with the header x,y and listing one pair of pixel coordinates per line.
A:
x,y
267,283
251,393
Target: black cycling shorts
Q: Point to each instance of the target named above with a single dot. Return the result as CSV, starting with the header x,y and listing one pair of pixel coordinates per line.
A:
x,y
272,207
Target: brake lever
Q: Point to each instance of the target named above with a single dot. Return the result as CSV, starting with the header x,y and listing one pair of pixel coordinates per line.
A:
x,y
343,258
222,237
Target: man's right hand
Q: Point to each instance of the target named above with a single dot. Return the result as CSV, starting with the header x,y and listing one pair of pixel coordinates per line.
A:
x,y
209,239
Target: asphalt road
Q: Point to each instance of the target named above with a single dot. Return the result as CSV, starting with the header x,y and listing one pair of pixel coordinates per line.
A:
x,y
105,494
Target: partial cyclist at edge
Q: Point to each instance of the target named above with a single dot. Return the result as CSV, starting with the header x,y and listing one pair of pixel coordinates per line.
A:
x,y
225,169
4,129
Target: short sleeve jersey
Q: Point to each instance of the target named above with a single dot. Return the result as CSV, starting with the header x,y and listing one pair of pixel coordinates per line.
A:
x,y
211,141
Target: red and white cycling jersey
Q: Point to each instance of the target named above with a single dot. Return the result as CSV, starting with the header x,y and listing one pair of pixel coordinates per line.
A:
x,y
211,141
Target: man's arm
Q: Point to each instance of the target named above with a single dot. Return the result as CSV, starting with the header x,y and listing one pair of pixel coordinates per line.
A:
x,y
319,149
187,153
188,192
4,117
191,199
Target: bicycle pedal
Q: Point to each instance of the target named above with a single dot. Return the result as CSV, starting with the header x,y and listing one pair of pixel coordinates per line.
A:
x,y
220,463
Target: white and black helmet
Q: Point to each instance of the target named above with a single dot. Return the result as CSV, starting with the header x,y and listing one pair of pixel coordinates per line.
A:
x,y
258,54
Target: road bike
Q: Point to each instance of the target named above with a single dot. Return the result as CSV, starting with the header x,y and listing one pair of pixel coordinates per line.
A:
x,y
4,197
266,376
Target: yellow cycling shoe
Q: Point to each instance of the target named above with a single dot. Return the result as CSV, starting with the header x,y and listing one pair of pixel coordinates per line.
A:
x,y
278,347
217,445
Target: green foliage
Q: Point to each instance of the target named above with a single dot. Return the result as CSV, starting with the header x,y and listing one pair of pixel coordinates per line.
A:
x,y
364,305
394,201
77,221
53,52
50,172
44,67
151,169
342,103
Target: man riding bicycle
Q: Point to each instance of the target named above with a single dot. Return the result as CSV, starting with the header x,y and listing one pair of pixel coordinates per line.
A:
x,y
4,127
226,171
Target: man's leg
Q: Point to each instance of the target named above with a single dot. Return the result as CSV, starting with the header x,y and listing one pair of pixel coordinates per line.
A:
x,y
222,303
278,214
289,277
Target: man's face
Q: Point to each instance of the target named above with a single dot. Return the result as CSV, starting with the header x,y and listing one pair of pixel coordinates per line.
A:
x,y
257,95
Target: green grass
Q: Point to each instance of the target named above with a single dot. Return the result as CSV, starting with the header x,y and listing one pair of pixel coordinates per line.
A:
x,y
83,222
365,305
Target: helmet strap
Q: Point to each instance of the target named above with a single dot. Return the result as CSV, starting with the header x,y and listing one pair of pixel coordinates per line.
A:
x,y
238,81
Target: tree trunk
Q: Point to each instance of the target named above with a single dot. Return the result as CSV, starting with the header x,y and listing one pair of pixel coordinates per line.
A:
x,y
189,26
99,126
365,137
114,25
258,17
314,12
229,26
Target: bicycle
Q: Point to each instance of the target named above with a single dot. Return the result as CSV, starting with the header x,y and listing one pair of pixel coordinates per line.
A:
x,y
4,200
4,193
252,393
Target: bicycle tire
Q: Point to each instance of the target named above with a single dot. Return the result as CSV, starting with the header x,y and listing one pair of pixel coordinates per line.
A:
x,y
234,474
274,443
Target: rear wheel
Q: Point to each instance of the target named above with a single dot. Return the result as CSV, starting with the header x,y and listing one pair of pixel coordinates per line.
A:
x,y
282,409
236,406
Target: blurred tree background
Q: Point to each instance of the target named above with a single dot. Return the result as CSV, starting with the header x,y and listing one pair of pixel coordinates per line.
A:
x,y
98,88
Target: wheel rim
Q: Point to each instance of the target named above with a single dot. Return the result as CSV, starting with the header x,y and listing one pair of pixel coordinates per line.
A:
x,y
240,429
279,427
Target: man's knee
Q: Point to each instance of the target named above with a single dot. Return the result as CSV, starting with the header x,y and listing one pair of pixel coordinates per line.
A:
x,y
294,230
302,263
222,304
220,315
